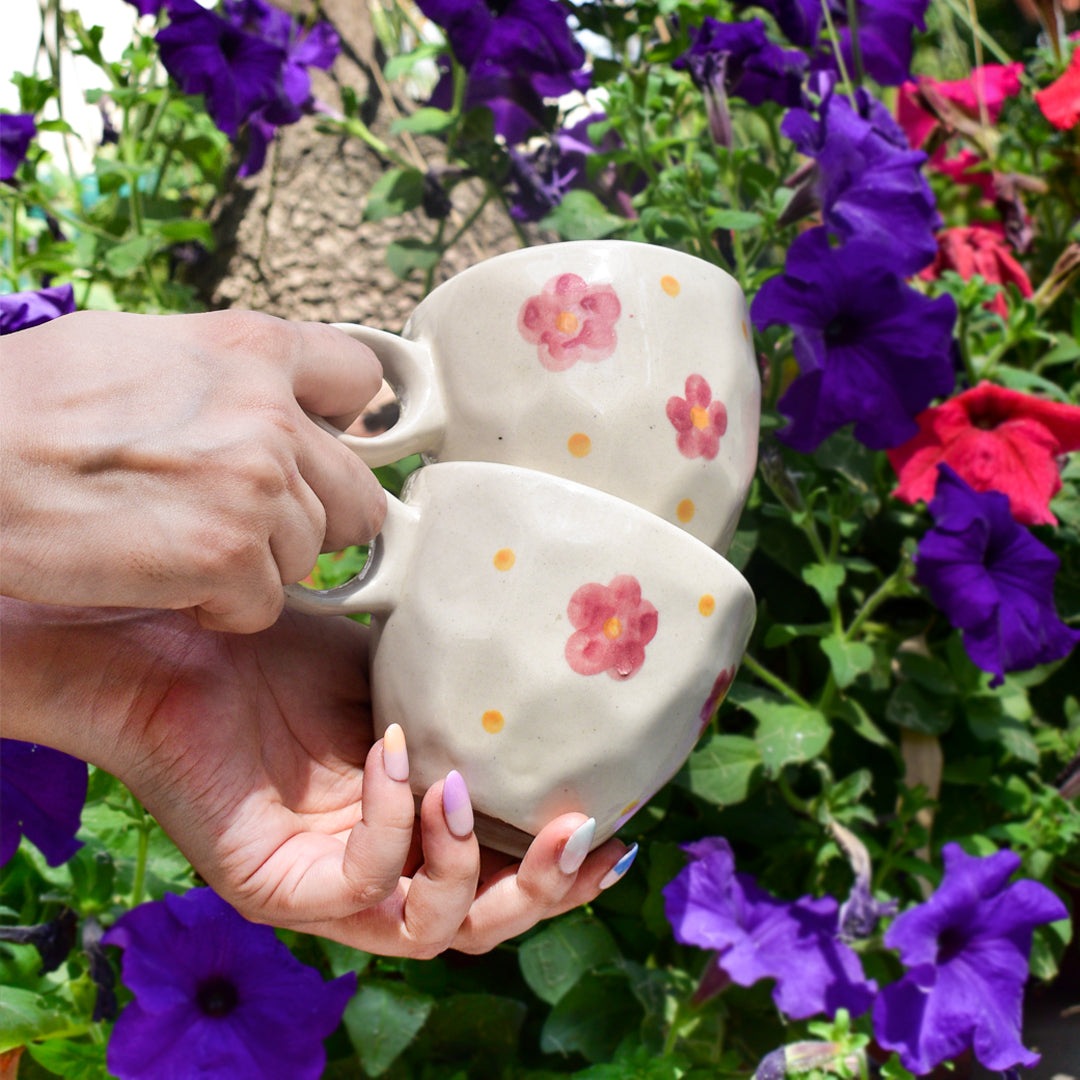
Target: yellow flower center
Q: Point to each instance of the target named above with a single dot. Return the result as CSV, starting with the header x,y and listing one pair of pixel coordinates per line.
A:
x,y
566,322
699,417
612,628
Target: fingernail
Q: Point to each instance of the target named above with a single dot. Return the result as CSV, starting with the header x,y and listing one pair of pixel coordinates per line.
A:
x,y
457,806
395,756
620,868
577,847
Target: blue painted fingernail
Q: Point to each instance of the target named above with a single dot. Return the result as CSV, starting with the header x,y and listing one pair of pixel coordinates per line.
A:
x,y
620,868
577,847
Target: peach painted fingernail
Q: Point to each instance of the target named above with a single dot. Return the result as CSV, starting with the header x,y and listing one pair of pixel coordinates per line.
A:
x,y
395,756
620,868
577,847
457,806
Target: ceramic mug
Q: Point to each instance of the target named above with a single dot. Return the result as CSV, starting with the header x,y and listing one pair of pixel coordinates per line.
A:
x,y
624,366
561,648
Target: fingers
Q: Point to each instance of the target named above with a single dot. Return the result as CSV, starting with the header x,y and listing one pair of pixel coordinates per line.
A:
x,y
558,873
333,375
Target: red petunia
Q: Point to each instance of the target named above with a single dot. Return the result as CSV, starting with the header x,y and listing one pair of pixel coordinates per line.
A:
x,y
1060,101
996,440
977,249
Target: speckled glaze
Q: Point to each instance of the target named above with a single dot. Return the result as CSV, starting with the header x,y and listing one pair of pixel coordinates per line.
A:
x,y
559,647
623,366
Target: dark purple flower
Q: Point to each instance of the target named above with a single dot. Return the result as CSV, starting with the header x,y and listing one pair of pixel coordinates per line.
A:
x,y
993,580
42,792
515,52
21,310
16,131
885,29
216,995
148,7
871,350
304,47
238,73
867,179
966,953
799,20
756,936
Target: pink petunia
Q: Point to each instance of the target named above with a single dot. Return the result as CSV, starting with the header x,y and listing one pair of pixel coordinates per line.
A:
x,y
1060,101
612,624
569,321
977,249
698,419
996,440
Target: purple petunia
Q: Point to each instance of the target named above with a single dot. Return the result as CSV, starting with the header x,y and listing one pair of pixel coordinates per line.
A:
x,y
993,580
16,131
515,53
216,995
966,953
871,350
21,310
867,179
42,792
149,7
756,936
238,73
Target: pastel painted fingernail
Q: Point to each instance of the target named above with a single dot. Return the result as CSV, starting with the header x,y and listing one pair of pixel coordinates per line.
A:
x,y
395,756
577,847
457,806
620,868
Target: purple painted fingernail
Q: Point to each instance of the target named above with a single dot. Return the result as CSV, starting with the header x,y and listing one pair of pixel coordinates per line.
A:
x,y
620,868
457,806
395,756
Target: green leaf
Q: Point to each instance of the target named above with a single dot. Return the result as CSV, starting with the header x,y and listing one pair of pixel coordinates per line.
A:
x,y
69,1059
848,659
477,1030
344,959
789,734
825,579
177,230
582,216
425,121
405,256
553,960
592,1018
852,713
29,1014
911,707
735,220
721,768
988,722
126,259
381,1020
394,193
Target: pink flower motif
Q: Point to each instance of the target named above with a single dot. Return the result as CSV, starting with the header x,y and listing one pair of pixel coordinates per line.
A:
x,y
698,419
716,695
570,321
613,625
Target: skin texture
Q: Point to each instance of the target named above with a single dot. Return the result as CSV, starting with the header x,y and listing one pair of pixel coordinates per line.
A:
x,y
167,461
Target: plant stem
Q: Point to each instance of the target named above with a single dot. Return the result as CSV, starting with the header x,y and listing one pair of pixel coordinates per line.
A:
x,y
834,37
778,684
856,46
145,825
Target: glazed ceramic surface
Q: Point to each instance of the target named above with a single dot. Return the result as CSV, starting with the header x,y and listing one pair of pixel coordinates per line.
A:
x,y
560,647
624,366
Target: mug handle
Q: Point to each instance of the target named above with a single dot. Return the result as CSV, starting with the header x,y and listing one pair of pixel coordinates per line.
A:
x,y
375,590
410,370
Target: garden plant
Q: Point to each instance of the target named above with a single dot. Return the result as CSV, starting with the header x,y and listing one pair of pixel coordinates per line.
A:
x,y
870,861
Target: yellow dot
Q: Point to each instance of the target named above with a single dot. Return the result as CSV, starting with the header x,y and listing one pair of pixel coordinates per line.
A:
x,y
670,285
566,322
579,444
685,510
504,559
707,604
493,721
699,417
612,628
745,331
629,808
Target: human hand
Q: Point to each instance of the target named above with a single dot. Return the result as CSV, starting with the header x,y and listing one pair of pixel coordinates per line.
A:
x,y
166,461
255,753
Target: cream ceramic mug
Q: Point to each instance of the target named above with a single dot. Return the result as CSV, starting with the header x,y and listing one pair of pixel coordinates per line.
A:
x,y
624,366
560,647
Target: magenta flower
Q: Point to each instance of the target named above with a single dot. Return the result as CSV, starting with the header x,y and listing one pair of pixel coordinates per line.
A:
x,y
22,310
871,350
698,419
755,936
216,995
612,627
16,131
717,694
42,793
993,580
569,321
966,953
